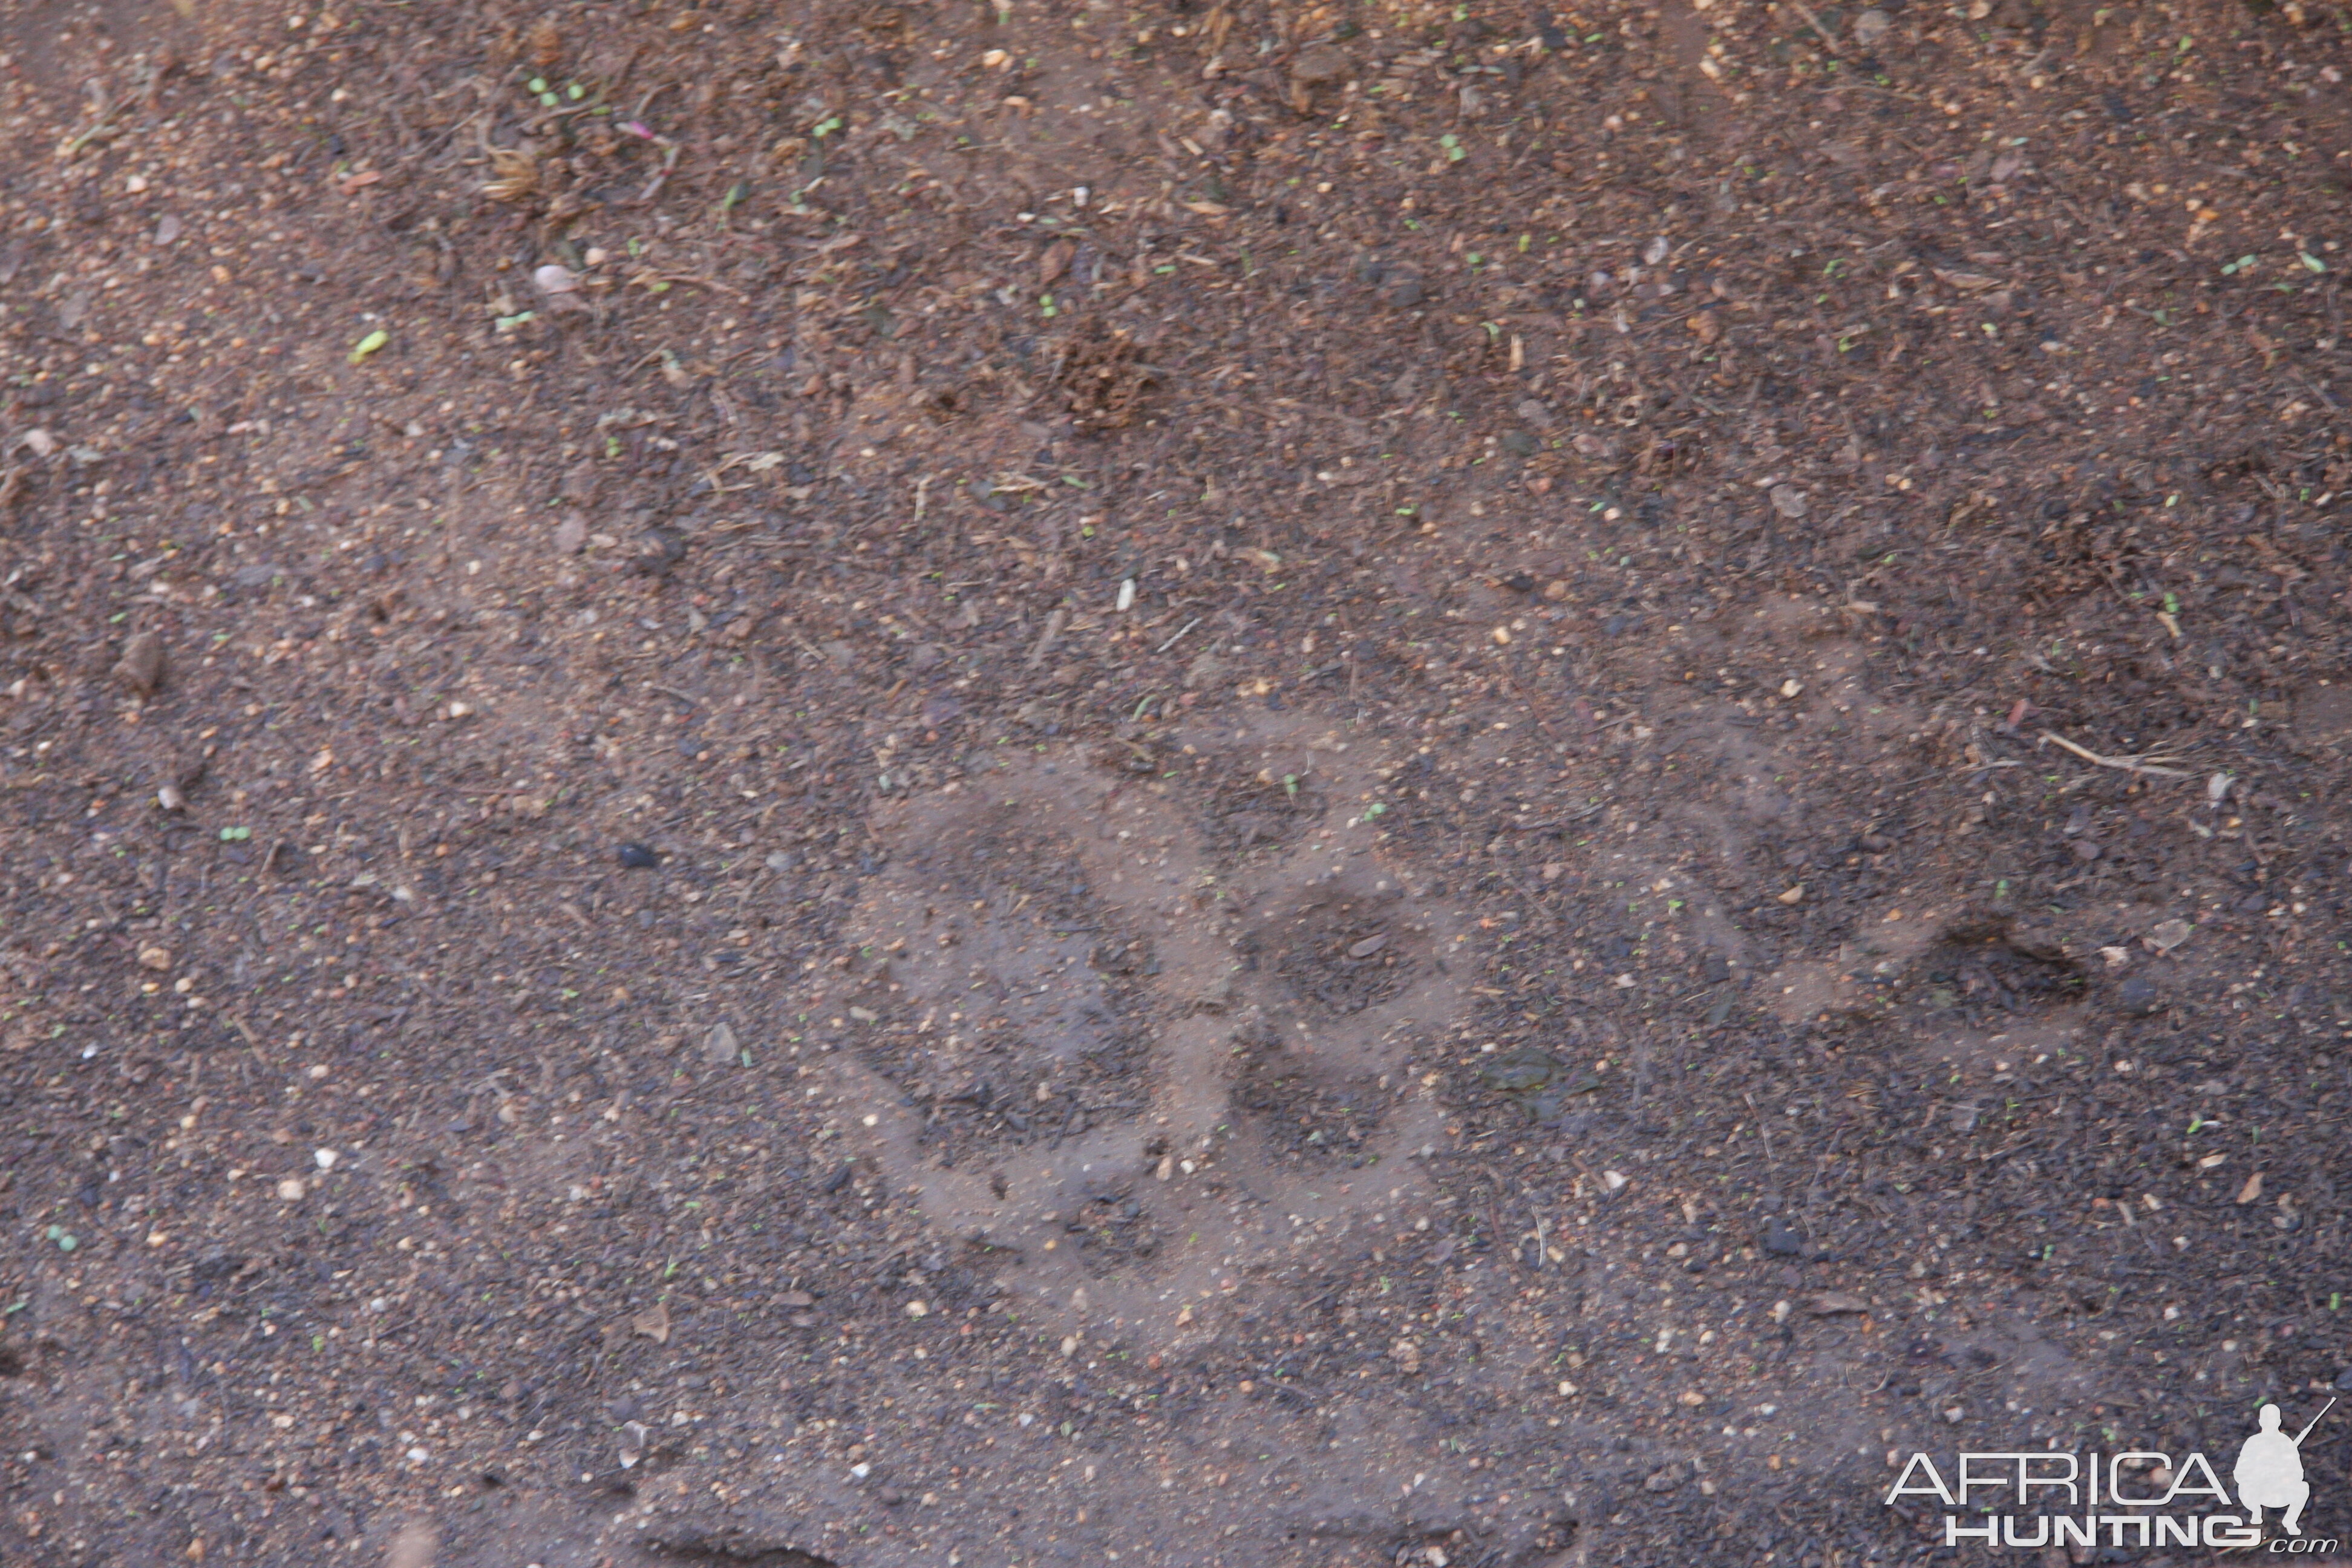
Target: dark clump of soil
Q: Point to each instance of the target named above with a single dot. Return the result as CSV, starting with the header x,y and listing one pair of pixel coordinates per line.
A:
x,y
1978,969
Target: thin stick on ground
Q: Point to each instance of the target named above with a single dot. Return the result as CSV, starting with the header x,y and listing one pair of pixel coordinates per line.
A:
x,y
1815,22
2125,764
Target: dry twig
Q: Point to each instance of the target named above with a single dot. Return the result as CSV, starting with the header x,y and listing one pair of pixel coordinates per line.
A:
x,y
2125,764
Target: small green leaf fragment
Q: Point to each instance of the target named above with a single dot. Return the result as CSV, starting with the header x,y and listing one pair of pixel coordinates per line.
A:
x,y
369,344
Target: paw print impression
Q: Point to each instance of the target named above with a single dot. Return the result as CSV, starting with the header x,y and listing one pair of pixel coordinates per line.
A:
x,y
1139,1025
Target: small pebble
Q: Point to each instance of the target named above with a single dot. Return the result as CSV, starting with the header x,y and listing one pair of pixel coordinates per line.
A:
x,y
637,857
143,664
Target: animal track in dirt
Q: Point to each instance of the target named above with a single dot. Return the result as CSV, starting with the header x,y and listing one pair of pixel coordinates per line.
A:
x,y
1129,1054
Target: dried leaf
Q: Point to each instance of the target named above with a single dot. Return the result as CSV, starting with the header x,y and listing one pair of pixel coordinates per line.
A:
x,y
514,175
546,42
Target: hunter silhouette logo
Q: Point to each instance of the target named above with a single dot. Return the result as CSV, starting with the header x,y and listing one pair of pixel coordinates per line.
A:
x,y
2270,1470
2137,1497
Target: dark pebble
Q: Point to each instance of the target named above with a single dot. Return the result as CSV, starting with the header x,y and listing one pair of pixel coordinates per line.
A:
x,y
1519,583
2344,1380
637,857
1782,1239
2137,995
840,1178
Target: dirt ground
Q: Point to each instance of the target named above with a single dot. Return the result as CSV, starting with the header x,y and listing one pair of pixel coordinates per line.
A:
x,y
1017,782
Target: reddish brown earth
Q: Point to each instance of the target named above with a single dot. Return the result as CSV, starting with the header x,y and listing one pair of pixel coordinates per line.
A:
x,y
1031,783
